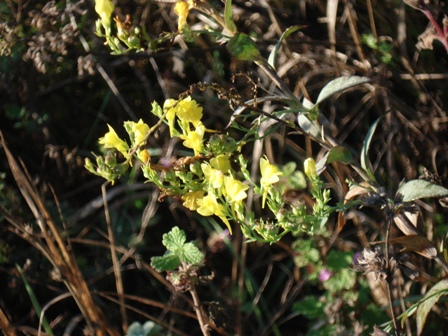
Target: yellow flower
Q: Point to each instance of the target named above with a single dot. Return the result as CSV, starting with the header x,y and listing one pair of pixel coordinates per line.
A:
x,y
235,190
189,110
214,177
137,131
170,108
191,199
310,168
209,206
269,176
221,162
144,156
104,8
111,140
193,139
182,9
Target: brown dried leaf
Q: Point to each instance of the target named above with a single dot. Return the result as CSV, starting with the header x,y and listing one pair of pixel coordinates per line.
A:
x,y
417,244
406,220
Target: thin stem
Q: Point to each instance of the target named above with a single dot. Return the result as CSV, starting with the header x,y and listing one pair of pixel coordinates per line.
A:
x,y
199,312
389,278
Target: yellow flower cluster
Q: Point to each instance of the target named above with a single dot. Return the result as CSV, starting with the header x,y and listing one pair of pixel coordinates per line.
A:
x,y
221,188
137,131
188,112
208,187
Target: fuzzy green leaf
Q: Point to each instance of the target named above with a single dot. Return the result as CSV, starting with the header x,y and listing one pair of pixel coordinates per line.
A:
x,y
338,85
311,307
430,299
191,254
342,279
174,240
168,262
416,189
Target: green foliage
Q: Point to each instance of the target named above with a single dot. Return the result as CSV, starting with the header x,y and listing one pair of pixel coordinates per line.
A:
x,y
243,47
384,47
149,328
417,189
311,307
178,252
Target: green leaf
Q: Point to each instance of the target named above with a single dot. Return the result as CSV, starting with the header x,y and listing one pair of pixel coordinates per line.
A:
x,y
168,262
430,299
342,279
336,154
243,47
174,240
228,18
416,189
35,302
365,162
156,109
338,260
273,55
340,84
148,329
311,307
191,254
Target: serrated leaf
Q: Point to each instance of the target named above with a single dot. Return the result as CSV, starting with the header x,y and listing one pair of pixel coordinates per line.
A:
x,y
343,279
168,262
272,60
365,162
337,260
243,47
191,254
311,307
434,294
228,18
340,84
416,189
174,240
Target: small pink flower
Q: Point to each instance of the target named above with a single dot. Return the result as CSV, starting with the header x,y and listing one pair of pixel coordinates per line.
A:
x,y
324,275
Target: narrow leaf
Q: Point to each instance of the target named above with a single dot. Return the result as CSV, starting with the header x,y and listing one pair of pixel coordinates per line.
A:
x,y
230,25
430,299
416,189
365,162
272,60
35,302
338,85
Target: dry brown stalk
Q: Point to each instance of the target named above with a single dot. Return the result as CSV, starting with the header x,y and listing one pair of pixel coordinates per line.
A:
x,y
54,247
